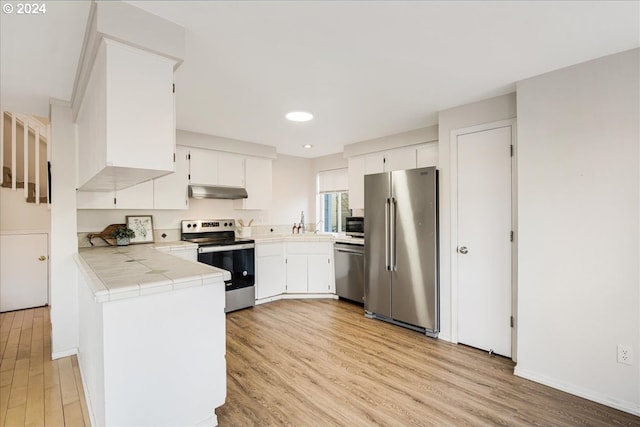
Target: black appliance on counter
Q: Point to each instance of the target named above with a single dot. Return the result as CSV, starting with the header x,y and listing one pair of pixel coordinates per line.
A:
x,y
354,226
219,247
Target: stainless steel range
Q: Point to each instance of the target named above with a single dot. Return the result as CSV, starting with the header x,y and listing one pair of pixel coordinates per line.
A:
x,y
219,247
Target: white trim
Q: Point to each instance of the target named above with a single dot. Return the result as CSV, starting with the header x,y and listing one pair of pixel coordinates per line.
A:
x,y
630,407
2,145
25,155
453,157
60,354
86,392
13,151
295,296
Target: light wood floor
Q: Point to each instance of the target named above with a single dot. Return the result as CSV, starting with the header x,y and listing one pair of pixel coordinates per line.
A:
x,y
34,390
321,363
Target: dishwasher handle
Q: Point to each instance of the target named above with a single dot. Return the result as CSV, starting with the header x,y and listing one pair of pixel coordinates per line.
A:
x,y
349,251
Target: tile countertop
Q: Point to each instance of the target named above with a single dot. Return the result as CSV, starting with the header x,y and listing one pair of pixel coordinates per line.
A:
x,y
307,237
117,272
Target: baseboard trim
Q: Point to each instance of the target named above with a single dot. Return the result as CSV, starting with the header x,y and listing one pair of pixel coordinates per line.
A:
x,y
66,353
630,407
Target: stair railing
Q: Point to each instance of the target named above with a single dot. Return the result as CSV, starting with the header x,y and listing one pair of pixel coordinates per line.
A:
x,y
41,133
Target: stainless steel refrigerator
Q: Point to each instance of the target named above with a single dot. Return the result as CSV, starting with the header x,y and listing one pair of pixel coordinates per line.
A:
x,y
401,248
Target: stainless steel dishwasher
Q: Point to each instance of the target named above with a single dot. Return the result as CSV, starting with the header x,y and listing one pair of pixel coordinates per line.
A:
x,y
349,264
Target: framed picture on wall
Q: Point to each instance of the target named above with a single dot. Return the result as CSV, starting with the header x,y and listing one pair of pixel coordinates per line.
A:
x,y
142,225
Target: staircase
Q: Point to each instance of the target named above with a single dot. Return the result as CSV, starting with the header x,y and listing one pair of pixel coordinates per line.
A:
x,y
24,155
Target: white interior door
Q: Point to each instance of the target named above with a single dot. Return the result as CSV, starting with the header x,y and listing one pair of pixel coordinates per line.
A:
x,y
484,239
23,271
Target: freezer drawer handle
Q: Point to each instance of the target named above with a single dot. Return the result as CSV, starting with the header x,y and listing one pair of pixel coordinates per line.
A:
x,y
387,208
392,249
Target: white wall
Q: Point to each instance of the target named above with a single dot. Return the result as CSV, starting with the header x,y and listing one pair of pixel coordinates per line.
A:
x,y
63,292
486,111
293,191
16,214
578,185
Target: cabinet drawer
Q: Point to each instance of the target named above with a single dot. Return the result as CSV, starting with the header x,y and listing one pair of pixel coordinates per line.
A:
x,y
309,248
268,249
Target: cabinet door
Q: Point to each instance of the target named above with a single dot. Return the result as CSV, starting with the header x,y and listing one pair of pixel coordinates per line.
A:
x,y
400,159
356,182
270,277
319,273
296,268
137,197
170,191
203,167
230,170
427,155
258,182
374,163
141,131
95,199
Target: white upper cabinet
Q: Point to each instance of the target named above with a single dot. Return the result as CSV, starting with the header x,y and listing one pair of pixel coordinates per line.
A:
x,y
386,161
230,170
170,191
209,167
400,159
135,197
258,179
126,119
203,166
427,155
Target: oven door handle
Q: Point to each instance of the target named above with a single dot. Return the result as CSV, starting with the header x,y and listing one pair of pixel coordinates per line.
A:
x,y
210,249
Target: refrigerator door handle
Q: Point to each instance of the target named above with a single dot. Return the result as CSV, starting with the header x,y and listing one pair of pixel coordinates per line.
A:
x,y
392,234
387,260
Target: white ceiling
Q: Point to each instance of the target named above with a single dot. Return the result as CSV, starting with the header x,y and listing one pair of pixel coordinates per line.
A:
x,y
364,69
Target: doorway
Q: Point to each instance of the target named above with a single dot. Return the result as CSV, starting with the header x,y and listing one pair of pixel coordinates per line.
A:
x,y
483,237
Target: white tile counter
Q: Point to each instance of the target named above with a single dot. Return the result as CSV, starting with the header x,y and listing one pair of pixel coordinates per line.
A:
x,y
128,271
151,335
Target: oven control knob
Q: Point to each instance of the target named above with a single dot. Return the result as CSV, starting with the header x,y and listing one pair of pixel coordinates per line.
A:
x,y
244,273
188,225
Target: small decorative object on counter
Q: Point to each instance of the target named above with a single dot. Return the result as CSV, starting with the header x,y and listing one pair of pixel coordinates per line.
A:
x,y
123,235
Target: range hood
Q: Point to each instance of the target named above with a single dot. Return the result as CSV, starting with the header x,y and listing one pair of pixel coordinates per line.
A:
x,y
216,192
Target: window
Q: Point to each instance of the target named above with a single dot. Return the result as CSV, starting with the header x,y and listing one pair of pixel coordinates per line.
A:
x,y
333,200
334,208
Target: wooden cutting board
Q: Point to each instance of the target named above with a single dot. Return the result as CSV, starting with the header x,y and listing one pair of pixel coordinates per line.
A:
x,y
105,234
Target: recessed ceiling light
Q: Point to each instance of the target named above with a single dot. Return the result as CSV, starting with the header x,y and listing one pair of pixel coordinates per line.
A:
x,y
307,146
299,116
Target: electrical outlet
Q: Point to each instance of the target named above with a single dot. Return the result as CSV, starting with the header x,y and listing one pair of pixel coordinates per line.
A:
x,y
624,354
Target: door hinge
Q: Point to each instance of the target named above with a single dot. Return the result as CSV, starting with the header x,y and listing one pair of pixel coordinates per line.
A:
x,y
174,88
189,156
328,260
286,261
511,150
511,321
174,157
511,236
189,176
114,201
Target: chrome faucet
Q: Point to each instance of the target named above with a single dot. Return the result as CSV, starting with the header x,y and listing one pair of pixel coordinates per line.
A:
x,y
316,227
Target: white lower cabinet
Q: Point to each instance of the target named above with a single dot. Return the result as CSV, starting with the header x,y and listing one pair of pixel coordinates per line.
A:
x,y
309,268
270,274
296,274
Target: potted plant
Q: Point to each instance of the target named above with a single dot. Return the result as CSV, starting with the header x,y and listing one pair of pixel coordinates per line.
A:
x,y
122,235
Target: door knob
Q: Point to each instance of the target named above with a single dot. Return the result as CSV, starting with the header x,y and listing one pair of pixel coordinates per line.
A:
x,y
463,250
42,258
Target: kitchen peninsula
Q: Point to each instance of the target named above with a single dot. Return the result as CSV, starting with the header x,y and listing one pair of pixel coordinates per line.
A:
x,y
152,336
